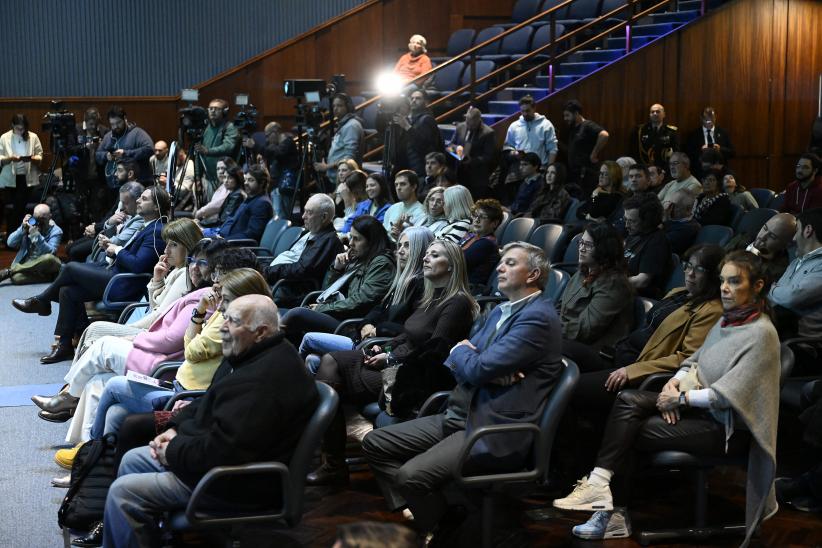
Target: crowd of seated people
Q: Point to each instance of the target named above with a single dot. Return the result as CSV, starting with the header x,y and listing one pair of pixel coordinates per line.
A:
x,y
406,258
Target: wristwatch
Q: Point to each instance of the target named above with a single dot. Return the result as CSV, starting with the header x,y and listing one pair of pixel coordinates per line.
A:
x,y
682,401
197,315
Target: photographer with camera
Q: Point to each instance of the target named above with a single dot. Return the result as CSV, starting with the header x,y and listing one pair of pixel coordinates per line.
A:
x,y
125,141
88,176
279,154
220,138
36,240
159,162
20,152
348,139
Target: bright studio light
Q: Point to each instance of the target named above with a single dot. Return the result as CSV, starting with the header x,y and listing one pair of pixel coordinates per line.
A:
x,y
388,84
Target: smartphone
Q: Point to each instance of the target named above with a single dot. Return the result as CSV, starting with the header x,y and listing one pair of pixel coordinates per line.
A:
x,y
32,221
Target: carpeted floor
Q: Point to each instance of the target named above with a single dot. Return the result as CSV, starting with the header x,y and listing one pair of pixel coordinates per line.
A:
x,y
28,506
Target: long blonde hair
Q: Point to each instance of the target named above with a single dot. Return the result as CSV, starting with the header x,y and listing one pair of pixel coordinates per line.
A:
x,y
419,238
457,282
458,203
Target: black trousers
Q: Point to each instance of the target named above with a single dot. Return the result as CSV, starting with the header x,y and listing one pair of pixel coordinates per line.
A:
x,y
301,320
76,284
19,197
80,249
635,425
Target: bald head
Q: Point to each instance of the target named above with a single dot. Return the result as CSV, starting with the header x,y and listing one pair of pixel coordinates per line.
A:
x,y
775,235
249,320
160,149
42,210
657,114
473,118
681,205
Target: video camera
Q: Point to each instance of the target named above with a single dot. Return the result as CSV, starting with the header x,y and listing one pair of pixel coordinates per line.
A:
x,y
313,96
193,121
246,119
62,125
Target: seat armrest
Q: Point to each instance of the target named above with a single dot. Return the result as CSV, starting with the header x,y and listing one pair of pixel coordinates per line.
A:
x,y
181,396
346,324
372,341
487,479
309,285
655,381
243,242
165,367
434,404
310,298
117,278
126,313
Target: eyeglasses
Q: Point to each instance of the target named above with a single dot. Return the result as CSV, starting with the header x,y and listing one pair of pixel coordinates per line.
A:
x,y
674,163
585,245
479,217
697,269
200,263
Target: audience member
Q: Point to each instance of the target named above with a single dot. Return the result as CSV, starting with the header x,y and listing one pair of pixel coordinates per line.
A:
x,y
639,179
597,306
220,139
20,154
315,249
422,135
679,224
475,146
658,177
711,160
435,170
351,190
251,217
125,141
647,251
737,380
738,194
552,200
159,162
682,178
625,163
531,132
36,239
798,290
78,283
532,180
184,178
480,245
280,156
356,280
89,178
457,206
504,373
440,320
118,226
408,211
770,244
261,379
377,202
435,219
655,141
415,62
606,197
216,211
805,192
713,206
586,139
348,139
708,137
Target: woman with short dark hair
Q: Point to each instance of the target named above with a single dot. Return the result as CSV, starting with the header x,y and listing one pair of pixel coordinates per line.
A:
x,y
20,154
480,245
376,203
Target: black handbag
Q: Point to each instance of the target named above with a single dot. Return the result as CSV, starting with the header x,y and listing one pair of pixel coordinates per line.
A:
x,y
92,473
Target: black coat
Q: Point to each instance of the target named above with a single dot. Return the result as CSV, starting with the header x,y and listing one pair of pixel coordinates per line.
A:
x,y
693,147
255,410
314,261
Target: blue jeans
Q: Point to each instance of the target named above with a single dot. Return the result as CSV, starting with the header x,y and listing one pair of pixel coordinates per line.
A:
x,y
142,491
315,344
122,397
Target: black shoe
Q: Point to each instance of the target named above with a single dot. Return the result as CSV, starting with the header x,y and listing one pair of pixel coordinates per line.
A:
x,y
62,416
59,353
32,305
331,472
5,274
788,489
93,538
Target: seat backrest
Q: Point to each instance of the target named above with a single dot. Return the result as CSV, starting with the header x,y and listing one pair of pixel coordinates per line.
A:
x,y
506,218
483,67
546,237
787,359
517,230
486,34
676,277
583,9
557,282
524,9
518,41
304,452
568,232
752,220
777,201
459,41
571,212
273,231
542,36
642,306
287,239
714,234
736,215
548,4
572,251
762,196
555,405
369,115
608,5
448,78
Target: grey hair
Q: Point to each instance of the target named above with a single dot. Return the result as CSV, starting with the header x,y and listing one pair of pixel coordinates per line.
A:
x,y
419,238
457,203
683,158
133,188
536,260
325,204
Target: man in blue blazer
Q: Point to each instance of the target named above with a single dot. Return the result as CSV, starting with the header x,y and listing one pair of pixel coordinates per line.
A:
x,y
249,221
504,374
81,282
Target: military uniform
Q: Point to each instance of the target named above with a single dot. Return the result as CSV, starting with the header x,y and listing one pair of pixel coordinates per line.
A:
x,y
654,146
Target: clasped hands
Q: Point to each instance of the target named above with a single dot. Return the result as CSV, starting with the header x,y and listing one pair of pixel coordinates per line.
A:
x,y
504,380
668,401
157,446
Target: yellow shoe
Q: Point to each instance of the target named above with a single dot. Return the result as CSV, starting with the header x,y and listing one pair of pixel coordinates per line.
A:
x,y
65,457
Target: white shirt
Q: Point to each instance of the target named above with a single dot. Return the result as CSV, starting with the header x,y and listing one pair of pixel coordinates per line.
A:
x,y
292,255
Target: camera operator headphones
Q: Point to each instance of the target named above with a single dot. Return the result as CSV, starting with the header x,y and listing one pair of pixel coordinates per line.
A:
x,y
225,107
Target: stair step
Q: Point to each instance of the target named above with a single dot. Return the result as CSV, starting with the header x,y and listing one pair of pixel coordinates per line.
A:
x,y
596,55
517,93
560,81
503,107
578,69
656,29
492,119
636,41
674,16
447,131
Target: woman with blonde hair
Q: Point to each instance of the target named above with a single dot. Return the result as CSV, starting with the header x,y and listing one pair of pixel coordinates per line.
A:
x,y
345,198
434,203
458,206
442,318
607,196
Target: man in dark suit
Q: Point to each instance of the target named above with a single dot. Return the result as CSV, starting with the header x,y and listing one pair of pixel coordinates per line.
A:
x,y
250,219
478,155
504,375
708,136
78,283
260,400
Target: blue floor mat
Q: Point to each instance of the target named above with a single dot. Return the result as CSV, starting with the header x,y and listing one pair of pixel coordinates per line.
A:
x,y
16,396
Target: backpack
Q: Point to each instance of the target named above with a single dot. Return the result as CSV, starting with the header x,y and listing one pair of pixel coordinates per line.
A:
x,y
92,473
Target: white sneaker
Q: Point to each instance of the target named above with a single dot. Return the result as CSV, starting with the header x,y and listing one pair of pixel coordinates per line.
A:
x,y
605,525
586,496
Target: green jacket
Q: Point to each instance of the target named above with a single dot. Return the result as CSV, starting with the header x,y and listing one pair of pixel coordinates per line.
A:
x,y
598,314
364,291
220,141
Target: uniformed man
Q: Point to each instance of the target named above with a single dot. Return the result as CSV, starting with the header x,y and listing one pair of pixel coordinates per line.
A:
x,y
655,141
